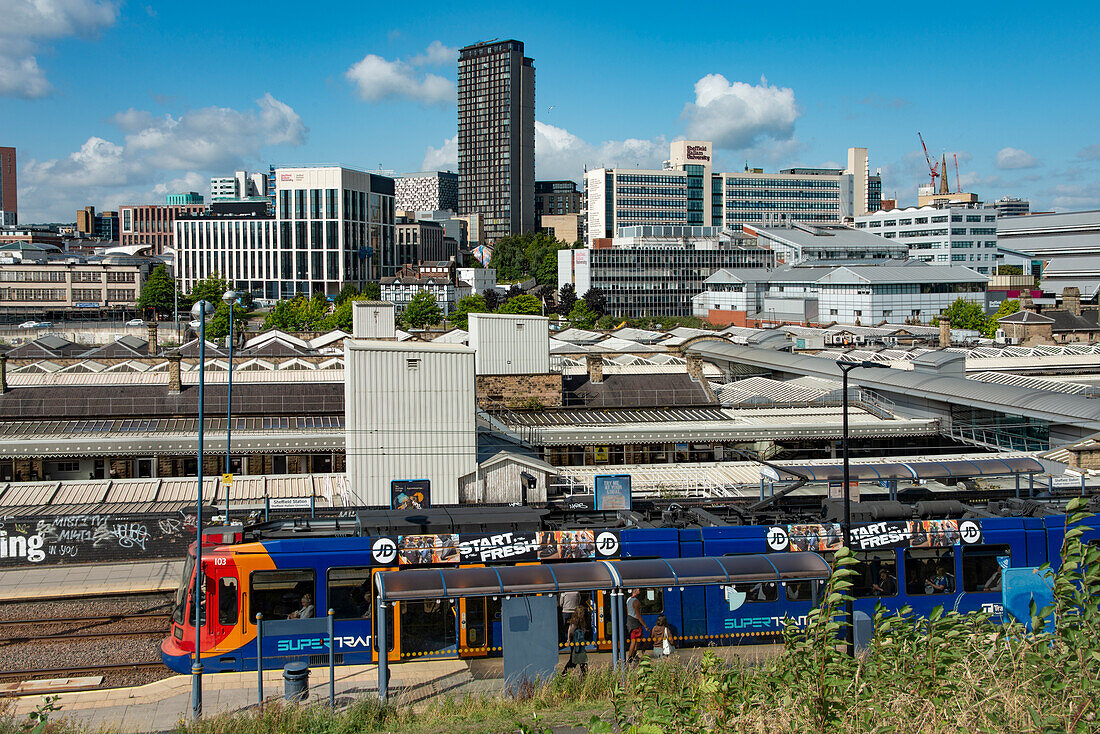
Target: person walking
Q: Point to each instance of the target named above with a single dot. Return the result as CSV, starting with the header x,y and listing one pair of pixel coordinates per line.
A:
x,y
662,638
634,623
578,655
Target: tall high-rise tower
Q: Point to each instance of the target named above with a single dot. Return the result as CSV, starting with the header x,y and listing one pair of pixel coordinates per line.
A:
x,y
8,205
496,137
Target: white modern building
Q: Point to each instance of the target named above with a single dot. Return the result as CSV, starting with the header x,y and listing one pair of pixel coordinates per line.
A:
x,y
336,226
688,192
655,270
1062,248
332,226
479,279
242,185
847,294
956,235
804,243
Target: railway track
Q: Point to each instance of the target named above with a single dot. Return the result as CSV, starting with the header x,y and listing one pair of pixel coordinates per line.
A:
x,y
74,671
82,629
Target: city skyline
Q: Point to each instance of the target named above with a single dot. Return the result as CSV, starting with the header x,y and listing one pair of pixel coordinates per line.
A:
x,y
100,117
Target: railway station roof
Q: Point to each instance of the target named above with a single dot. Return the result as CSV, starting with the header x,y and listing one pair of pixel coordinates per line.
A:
x,y
926,469
552,578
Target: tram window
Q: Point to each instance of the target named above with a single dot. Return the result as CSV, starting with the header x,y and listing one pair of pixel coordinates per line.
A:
x,y
228,609
349,592
653,601
278,594
929,571
759,591
803,590
870,581
980,569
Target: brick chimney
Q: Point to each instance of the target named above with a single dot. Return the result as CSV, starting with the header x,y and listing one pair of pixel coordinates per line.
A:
x,y
1026,304
152,346
695,366
3,373
594,363
945,333
1071,300
175,384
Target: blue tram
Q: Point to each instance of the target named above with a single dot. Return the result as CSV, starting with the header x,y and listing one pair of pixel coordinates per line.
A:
x,y
300,568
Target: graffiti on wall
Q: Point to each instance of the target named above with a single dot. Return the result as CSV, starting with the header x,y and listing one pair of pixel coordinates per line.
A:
x,y
58,539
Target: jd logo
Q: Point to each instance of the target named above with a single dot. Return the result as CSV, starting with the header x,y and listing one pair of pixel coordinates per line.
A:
x,y
734,598
970,531
607,544
777,538
384,551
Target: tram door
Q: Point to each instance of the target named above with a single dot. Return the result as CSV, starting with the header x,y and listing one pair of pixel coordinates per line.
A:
x,y
603,620
393,624
476,637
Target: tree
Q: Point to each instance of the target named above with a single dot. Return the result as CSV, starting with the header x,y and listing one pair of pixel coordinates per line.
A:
x,y
460,317
422,311
531,255
210,288
567,298
1009,270
372,291
492,299
159,292
218,325
964,314
582,316
1007,308
522,304
349,291
596,301
288,315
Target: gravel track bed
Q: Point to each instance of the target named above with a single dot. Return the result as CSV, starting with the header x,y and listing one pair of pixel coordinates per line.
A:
x,y
56,654
96,606
53,629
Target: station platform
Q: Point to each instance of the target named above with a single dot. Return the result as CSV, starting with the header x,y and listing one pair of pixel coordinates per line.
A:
x,y
159,706
37,583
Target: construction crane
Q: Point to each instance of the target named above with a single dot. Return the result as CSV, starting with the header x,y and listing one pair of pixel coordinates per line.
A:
x,y
933,168
958,183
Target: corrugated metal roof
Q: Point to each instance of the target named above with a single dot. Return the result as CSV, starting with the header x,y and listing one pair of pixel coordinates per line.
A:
x,y
71,493
1057,407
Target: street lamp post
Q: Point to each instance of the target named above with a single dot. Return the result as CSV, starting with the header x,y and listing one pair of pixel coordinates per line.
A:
x,y
200,311
847,366
230,298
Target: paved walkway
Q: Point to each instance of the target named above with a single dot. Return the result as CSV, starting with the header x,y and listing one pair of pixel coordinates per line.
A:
x,y
159,706
44,582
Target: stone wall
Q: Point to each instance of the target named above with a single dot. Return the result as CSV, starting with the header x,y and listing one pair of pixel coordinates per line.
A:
x,y
519,391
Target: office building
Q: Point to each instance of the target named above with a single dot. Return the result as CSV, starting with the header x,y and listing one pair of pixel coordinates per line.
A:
x,y
68,287
949,235
103,225
556,197
236,241
335,227
496,137
1008,206
9,205
455,228
803,243
152,224
567,228
655,271
422,240
184,199
426,191
688,192
1063,249
241,186
848,294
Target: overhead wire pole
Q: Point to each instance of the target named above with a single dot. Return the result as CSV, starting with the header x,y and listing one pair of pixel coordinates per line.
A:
x,y
229,297
200,311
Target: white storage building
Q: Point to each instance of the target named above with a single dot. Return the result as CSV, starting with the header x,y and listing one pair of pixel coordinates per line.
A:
x,y
510,344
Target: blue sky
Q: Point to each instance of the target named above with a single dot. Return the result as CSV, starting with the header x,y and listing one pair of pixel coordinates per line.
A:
x,y
110,103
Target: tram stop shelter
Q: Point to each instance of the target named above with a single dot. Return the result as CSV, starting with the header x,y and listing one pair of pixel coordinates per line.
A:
x,y
551,579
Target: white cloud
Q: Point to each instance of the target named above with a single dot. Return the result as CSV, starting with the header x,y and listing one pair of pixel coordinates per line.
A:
x,y
1090,153
377,79
436,55
155,153
1013,158
24,23
559,154
737,115
443,158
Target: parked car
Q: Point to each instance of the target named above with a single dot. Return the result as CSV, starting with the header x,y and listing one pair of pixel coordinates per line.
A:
x,y
135,322
35,325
